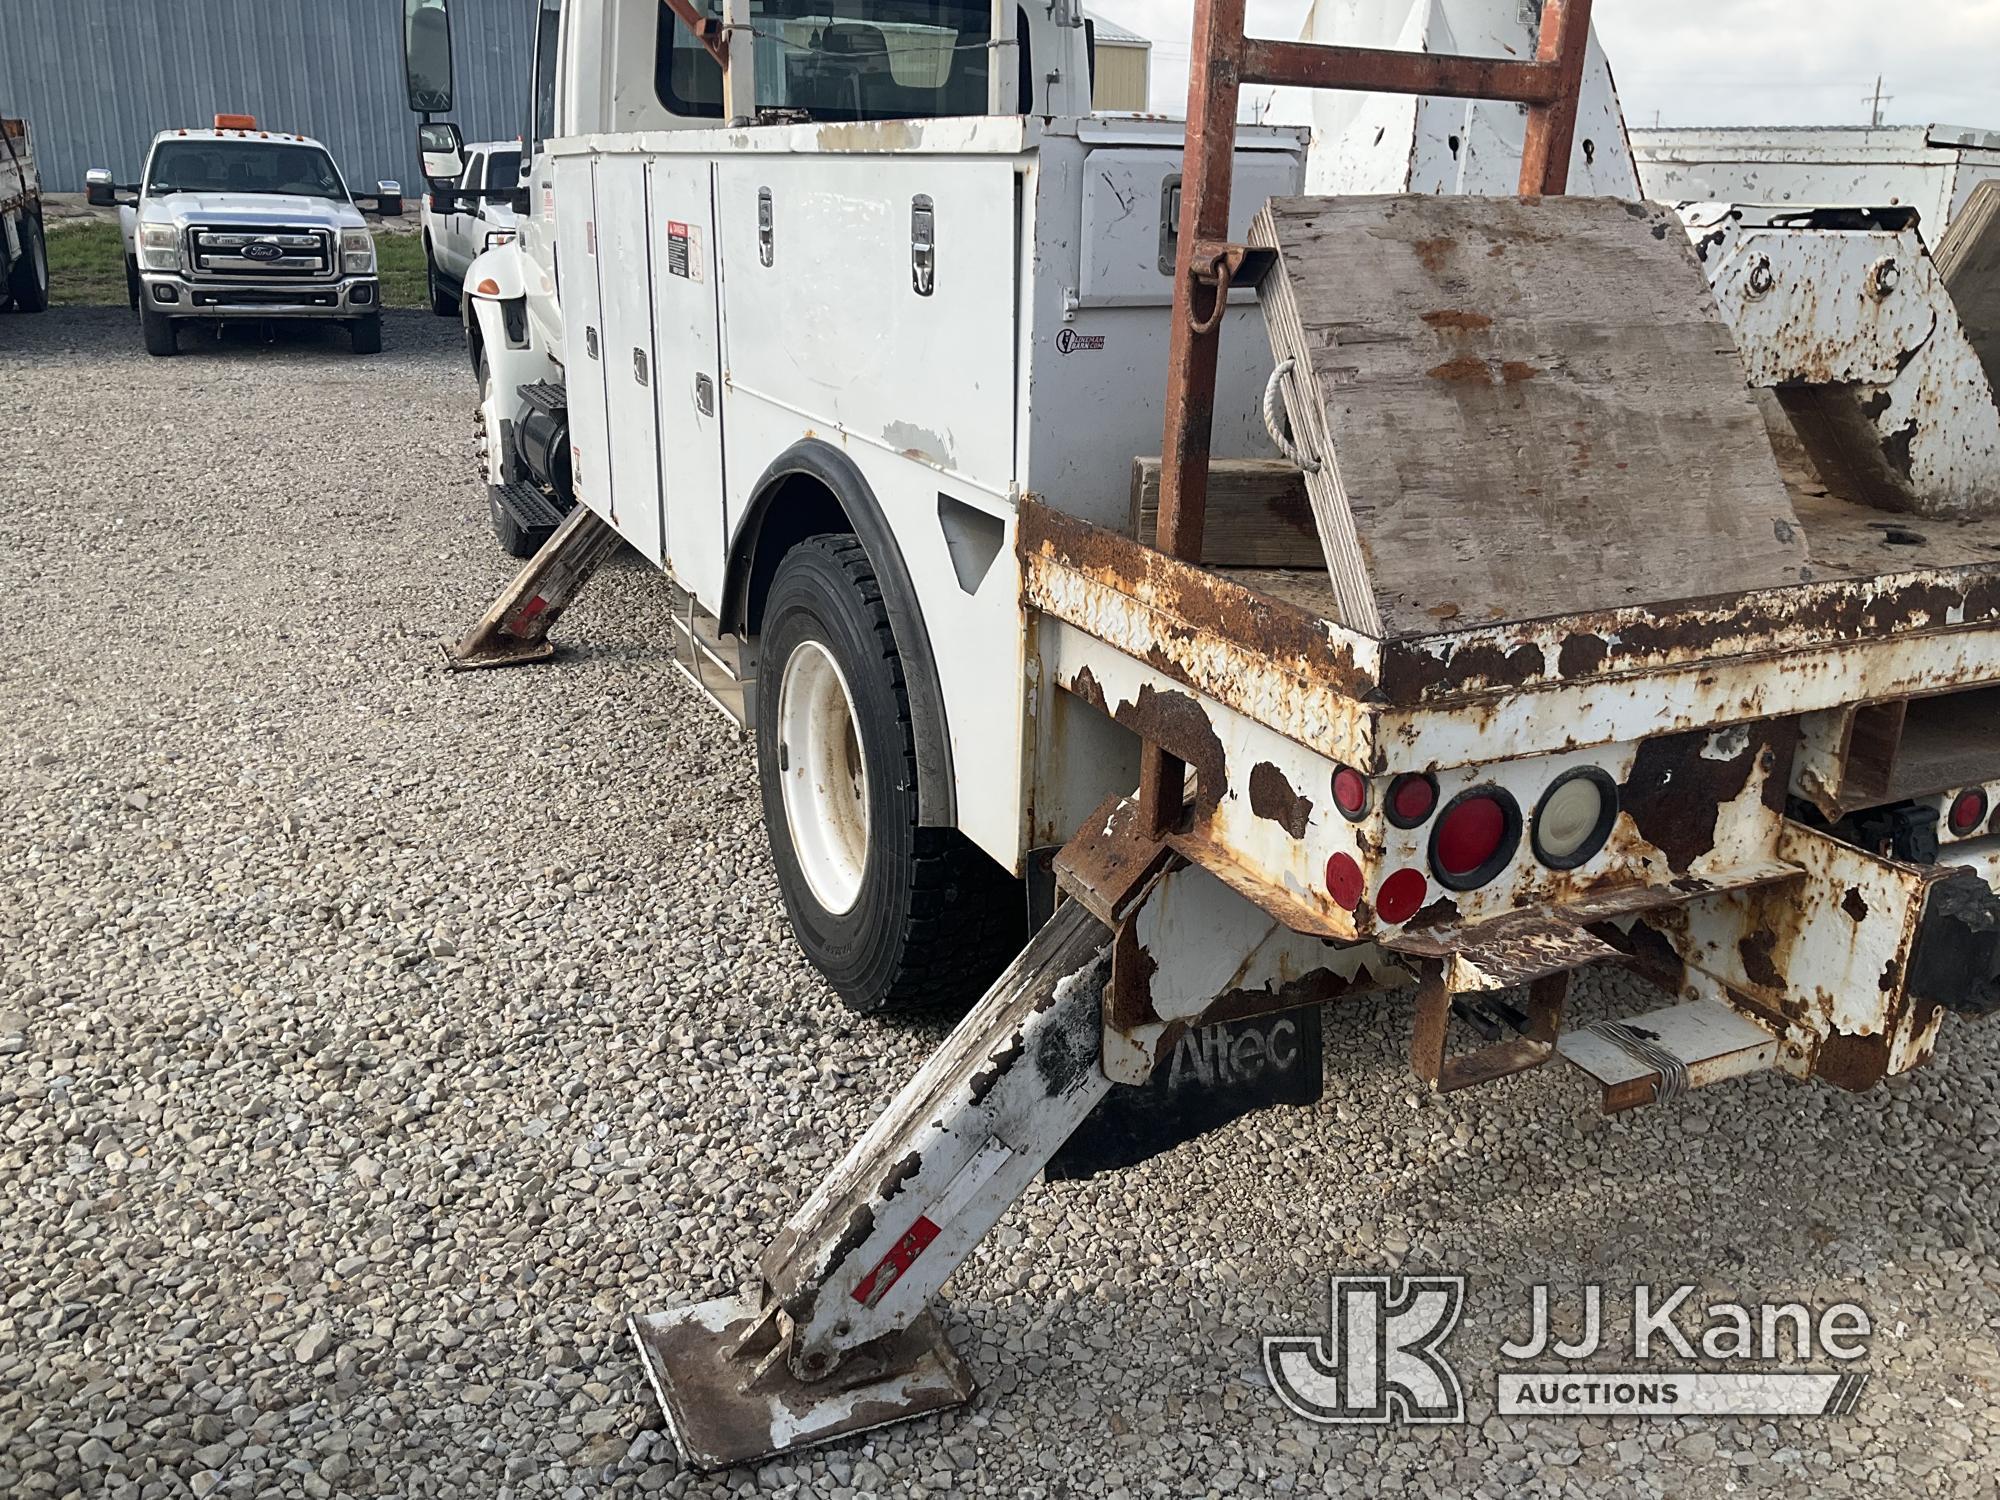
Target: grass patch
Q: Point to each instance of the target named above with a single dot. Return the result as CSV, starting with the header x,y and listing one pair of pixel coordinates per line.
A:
x,y
87,267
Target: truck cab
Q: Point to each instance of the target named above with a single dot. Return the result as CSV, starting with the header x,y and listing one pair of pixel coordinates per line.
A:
x,y
236,222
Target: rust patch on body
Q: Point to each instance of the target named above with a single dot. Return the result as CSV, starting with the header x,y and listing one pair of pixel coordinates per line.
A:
x,y
1271,796
1202,604
1675,793
1458,321
1755,951
899,1174
1514,371
1855,1063
1854,904
1179,725
1085,686
1581,654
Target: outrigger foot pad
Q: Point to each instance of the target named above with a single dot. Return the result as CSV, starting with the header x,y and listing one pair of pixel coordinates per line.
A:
x,y
729,1401
515,628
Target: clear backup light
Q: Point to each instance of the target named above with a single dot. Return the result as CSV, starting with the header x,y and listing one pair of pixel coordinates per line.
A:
x,y
1574,818
159,247
357,252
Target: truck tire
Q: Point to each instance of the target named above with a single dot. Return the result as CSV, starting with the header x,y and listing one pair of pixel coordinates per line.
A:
x,y
134,288
159,331
366,334
28,277
444,301
894,915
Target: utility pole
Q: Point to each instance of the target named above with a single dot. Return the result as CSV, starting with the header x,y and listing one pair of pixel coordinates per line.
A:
x,y
1876,101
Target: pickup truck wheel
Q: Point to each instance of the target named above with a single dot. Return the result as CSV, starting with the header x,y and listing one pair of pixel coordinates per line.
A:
x,y
894,915
159,331
444,301
28,277
366,334
134,288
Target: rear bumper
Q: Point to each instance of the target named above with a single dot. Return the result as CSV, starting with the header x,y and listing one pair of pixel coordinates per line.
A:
x,y
176,296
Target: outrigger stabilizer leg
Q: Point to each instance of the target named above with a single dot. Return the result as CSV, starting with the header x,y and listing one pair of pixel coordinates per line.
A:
x,y
515,628
836,1336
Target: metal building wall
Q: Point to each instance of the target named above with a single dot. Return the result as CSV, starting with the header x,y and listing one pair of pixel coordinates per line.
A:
x,y
95,79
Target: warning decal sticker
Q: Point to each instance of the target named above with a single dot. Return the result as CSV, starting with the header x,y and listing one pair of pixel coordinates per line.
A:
x,y
683,250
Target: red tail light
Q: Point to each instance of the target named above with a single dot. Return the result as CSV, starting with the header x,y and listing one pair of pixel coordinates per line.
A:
x,y
1475,838
1968,810
1412,799
1401,896
1350,792
1343,881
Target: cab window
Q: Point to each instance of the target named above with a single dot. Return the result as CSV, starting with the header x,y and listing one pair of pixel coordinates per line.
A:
x,y
841,60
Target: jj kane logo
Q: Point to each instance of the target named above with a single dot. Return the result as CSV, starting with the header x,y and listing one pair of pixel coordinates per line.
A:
x,y
1381,1359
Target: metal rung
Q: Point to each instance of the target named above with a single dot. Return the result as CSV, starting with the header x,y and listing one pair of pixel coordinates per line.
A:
x,y
1664,1053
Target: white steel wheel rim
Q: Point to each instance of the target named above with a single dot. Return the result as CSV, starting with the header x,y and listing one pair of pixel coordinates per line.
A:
x,y
823,776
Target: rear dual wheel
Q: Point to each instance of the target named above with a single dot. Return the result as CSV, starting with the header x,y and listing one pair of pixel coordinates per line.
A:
x,y
28,276
892,913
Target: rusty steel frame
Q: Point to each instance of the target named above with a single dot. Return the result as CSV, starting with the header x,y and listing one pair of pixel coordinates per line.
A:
x,y
705,29
1206,266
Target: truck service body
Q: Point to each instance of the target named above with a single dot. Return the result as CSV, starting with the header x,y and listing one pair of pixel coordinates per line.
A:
x,y
1375,591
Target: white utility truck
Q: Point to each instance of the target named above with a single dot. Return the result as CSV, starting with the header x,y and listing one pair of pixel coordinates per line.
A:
x,y
1392,589
24,249
236,223
474,215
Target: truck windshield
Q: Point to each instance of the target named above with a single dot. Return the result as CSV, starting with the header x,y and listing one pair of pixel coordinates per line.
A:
x,y
203,165
842,59
503,169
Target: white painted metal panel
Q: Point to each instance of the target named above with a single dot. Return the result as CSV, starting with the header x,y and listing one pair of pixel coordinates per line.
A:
x,y
838,327
1127,192
688,389
577,275
1930,168
623,237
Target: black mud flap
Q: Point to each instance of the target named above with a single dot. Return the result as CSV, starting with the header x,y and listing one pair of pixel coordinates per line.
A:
x,y
1956,961
1212,1076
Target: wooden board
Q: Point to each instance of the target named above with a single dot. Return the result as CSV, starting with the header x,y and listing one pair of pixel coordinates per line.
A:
x,y
1968,261
1258,516
1524,408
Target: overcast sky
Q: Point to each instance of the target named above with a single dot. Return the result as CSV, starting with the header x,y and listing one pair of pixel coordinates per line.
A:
x,y
1721,62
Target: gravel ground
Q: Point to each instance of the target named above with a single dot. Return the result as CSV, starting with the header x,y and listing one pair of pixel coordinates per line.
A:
x,y
370,1039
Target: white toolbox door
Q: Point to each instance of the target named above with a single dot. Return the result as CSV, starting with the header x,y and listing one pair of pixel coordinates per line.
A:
x,y
689,386
583,364
881,301
623,254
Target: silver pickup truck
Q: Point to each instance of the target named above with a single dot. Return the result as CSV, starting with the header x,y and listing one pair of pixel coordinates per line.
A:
x,y
235,222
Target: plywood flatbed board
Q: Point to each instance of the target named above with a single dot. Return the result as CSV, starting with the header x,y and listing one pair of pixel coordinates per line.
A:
x,y
1968,262
1525,408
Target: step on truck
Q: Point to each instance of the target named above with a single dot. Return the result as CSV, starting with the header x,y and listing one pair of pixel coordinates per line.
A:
x,y
24,248
1178,604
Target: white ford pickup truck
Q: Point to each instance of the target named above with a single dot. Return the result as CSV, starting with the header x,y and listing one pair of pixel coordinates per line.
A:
x,y
235,223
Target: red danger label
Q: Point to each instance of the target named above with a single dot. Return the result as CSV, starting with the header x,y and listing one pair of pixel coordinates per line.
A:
x,y
902,1255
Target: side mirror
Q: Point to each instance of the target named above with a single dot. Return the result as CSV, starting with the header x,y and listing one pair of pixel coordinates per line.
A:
x,y
441,149
98,190
427,55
